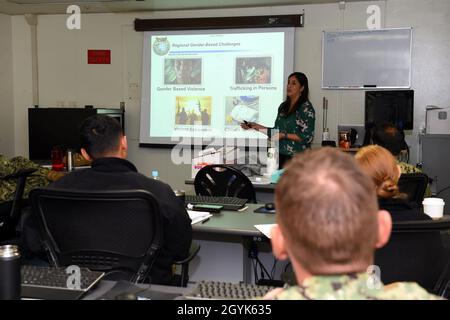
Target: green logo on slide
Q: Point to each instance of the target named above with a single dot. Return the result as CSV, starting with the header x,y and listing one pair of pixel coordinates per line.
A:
x,y
161,46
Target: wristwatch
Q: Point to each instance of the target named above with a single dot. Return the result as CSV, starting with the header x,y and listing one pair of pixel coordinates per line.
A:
x,y
285,134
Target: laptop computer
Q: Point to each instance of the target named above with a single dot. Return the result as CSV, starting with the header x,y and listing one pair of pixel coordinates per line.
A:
x,y
360,132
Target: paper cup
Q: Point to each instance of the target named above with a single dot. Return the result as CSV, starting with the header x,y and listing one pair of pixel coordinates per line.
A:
x,y
434,207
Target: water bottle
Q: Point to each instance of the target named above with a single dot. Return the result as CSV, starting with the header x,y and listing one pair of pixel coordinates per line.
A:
x,y
326,135
69,161
9,272
155,174
272,163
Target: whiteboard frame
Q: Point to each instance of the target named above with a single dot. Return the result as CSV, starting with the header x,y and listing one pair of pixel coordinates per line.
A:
x,y
362,87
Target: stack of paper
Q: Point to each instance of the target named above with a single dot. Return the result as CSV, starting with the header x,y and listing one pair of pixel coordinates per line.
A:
x,y
265,229
198,216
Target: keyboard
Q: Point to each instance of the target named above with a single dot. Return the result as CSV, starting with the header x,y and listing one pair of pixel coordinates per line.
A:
x,y
51,283
217,290
228,203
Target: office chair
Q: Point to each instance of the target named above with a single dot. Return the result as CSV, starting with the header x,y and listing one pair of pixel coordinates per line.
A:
x,y
223,181
118,232
414,186
329,143
416,252
182,279
10,210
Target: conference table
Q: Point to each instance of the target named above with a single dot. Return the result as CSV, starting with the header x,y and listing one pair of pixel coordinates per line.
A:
x,y
224,240
240,223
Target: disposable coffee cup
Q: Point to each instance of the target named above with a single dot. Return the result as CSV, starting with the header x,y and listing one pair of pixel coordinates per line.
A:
x,y
433,207
325,136
272,163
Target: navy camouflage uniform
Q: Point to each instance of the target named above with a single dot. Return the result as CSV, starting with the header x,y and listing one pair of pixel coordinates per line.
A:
x,y
9,166
357,286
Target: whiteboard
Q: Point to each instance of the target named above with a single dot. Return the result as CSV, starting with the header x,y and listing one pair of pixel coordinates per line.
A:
x,y
366,59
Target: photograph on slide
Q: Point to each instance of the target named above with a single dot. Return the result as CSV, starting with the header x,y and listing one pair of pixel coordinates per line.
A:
x,y
240,108
183,71
253,70
191,110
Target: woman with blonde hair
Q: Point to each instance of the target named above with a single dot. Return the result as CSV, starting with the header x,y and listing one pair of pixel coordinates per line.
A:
x,y
406,257
381,166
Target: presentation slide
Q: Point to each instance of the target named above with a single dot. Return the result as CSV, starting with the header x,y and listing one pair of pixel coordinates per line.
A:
x,y
205,83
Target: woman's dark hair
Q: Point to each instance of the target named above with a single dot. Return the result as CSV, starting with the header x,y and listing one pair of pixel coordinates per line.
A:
x,y
304,97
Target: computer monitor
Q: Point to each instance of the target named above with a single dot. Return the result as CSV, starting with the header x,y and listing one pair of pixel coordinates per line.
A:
x,y
396,107
49,127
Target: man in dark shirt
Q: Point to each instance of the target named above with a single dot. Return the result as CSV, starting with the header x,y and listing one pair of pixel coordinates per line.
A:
x,y
103,142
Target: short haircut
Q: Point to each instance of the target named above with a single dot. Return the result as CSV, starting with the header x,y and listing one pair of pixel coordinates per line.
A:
x,y
327,210
381,166
390,137
100,135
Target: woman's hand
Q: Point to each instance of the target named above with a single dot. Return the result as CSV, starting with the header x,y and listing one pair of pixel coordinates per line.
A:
x,y
252,125
246,125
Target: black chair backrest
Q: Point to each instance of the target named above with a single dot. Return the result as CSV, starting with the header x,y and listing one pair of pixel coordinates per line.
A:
x,y
329,143
10,210
223,181
416,253
414,186
119,232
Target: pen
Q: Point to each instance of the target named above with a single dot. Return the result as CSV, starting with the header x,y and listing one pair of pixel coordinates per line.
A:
x,y
243,209
206,220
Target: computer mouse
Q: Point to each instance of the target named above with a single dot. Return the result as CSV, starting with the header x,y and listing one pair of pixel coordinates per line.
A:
x,y
270,206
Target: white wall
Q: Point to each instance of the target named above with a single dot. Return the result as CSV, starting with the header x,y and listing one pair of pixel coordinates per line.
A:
x,y
6,88
431,49
22,84
65,77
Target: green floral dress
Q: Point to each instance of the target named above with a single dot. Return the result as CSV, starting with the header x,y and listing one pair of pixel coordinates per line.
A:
x,y
301,122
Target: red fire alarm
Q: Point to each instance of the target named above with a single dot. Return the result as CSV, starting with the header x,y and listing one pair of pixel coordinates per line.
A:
x,y
99,56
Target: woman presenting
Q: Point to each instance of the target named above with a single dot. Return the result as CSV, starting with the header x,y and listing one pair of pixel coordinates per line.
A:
x,y
295,119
